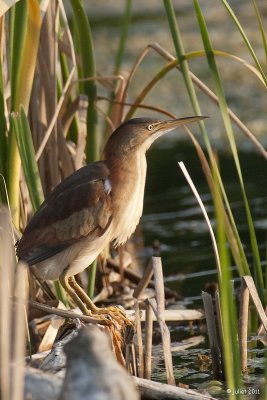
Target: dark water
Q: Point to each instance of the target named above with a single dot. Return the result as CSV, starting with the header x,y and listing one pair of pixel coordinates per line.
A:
x,y
172,214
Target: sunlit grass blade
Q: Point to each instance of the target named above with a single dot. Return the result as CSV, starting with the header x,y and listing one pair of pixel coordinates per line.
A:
x,y
24,33
191,92
245,38
115,110
22,131
125,23
3,139
231,354
87,70
231,231
178,44
230,134
261,27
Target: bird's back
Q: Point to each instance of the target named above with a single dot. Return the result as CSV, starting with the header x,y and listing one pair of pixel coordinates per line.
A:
x,y
78,207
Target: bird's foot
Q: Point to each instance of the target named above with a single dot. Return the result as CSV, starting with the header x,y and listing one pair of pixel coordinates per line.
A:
x,y
119,326
113,314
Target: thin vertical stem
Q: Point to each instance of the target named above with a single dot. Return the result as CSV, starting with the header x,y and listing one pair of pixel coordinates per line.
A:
x,y
148,341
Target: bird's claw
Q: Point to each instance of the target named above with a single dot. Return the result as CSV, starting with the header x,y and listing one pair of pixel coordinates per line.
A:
x,y
114,315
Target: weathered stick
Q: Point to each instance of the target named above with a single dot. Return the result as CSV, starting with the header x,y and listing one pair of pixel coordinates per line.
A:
x,y
220,331
212,332
243,325
130,359
161,391
160,313
148,341
176,315
135,277
45,386
256,300
144,281
139,340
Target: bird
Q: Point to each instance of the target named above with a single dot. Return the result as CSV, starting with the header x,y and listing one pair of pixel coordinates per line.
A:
x,y
100,203
92,371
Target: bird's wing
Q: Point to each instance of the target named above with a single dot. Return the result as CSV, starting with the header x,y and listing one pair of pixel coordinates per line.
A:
x,y
78,207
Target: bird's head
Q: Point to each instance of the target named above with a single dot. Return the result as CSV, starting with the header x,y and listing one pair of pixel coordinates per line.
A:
x,y
138,134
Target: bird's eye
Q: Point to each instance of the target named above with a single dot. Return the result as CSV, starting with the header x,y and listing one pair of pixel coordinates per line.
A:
x,y
150,127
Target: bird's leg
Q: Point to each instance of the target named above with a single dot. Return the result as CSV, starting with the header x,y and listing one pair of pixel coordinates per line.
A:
x,y
114,318
82,295
113,312
64,280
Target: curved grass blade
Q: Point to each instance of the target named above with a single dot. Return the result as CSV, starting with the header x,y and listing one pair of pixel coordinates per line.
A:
x,y
177,39
125,23
231,353
87,69
3,139
24,38
20,125
230,134
245,38
261,27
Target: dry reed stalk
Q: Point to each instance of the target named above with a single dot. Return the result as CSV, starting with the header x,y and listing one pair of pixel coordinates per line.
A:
x,y
148,342
81,140
130,359
205,89
243,325
144,281
160,313
248,289
256,300
13,320
212,333
139,340
20,332
6,284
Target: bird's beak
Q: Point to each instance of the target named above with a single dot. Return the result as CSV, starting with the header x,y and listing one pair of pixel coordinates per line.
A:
x,y
168,125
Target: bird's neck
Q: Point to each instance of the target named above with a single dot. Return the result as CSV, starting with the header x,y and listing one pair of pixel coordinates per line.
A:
x,y
127,178
127,173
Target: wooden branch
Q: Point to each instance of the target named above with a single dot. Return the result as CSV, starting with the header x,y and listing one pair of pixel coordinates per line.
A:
x,y
171,315
41,385
256,300
135,277
162,391
139,340
46,386
243,325
160,313
212,332
148,341
144,281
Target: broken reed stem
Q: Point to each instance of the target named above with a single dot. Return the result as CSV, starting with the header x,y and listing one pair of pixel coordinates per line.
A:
x,y
144,281
248,288
160,314
139,340
243,325
134,360
20,323
121,263
256,299
130,359
148,342
212,332
220,330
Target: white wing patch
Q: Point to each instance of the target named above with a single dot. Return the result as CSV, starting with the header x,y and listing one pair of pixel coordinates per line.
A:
x,y
107,186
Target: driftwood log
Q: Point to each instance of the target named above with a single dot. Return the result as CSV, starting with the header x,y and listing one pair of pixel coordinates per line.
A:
x,y
41,385
93,373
